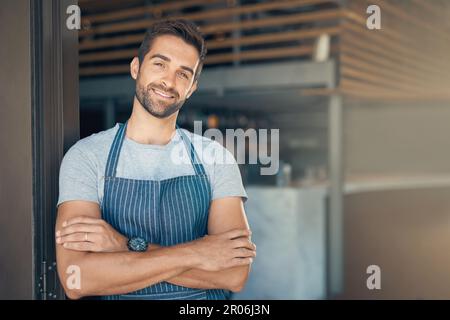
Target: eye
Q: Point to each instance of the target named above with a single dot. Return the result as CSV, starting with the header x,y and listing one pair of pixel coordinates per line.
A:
x,y
184,75
159,64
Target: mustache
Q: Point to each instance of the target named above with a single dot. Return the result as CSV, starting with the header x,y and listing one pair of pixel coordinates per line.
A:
x,y
171,92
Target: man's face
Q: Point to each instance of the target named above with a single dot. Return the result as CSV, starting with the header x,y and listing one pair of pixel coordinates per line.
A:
x,y
165,78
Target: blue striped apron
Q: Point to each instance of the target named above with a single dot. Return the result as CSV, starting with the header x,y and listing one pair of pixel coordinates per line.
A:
x,y
165,212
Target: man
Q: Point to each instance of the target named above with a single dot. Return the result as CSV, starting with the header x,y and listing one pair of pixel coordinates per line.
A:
x,y
134,220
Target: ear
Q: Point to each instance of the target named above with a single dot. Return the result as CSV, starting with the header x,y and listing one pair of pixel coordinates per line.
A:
x,y
193,88
134,67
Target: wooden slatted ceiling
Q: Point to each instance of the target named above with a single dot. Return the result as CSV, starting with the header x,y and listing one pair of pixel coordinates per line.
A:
x,y
407,59
113,37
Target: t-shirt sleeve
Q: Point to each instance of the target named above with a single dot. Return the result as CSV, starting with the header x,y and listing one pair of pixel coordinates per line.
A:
x,y
226,179
77,177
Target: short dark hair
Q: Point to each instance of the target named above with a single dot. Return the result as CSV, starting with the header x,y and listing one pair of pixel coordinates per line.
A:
x,y
184,29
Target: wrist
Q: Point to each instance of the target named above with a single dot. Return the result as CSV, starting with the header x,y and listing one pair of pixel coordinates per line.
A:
x,y
190,255
153,247
124,244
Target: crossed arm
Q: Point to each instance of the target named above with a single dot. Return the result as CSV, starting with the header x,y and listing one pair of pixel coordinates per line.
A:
x,y
220,260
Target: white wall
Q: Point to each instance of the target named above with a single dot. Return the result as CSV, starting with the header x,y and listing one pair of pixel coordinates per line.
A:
x,y
396,138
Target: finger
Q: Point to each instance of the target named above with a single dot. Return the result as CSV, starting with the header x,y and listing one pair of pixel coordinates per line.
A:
x,y
241,261
82,219
244,253
79,237
80,246
243,243
236,233
80,227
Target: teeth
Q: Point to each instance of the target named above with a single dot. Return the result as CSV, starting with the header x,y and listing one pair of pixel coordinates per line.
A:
x,y
162,94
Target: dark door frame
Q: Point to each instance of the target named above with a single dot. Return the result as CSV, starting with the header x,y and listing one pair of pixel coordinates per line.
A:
x,y
55,127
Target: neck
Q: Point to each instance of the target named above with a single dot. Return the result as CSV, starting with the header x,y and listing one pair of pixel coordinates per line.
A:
x,y
144,128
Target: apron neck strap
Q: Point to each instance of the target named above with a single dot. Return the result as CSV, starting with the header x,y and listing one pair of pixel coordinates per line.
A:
x,y
196,163
113,157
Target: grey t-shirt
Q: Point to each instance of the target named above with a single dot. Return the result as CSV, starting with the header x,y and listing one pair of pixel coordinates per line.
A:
x,y
82,170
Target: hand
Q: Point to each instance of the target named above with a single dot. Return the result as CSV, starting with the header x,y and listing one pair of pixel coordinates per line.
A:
x,y
224,250
89,234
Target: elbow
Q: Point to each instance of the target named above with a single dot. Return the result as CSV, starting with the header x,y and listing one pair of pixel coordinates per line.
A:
x,y
239,281
71,281
73,292
73,295
237,288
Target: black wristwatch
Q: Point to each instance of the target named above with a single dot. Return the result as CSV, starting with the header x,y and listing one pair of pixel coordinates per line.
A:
x,y
137,244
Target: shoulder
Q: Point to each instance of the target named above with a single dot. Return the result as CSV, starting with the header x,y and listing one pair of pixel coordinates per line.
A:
x,y
96,140
97,144
92,150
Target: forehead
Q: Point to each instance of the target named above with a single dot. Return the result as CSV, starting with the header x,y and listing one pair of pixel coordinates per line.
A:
x,y
175,49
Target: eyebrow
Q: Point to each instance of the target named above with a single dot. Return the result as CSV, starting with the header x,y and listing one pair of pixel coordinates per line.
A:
x,y
157,55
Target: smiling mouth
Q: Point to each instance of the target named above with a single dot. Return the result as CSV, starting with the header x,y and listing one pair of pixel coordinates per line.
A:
x,y
162,94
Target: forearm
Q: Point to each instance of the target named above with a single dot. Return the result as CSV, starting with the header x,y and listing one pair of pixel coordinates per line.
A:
x,y
123,272
230,279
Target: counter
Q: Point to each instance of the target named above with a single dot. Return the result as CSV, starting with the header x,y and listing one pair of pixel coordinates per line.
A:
x,y
288,226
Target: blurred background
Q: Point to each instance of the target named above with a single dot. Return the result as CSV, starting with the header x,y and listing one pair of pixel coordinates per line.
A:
x,y
363,115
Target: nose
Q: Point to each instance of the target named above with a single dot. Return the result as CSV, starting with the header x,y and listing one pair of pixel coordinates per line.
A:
x,y
168,81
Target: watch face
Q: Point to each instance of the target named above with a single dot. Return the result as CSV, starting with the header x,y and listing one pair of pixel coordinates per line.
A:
x,y
137,244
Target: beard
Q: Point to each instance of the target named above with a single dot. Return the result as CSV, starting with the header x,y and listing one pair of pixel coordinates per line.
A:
x,y
154,106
